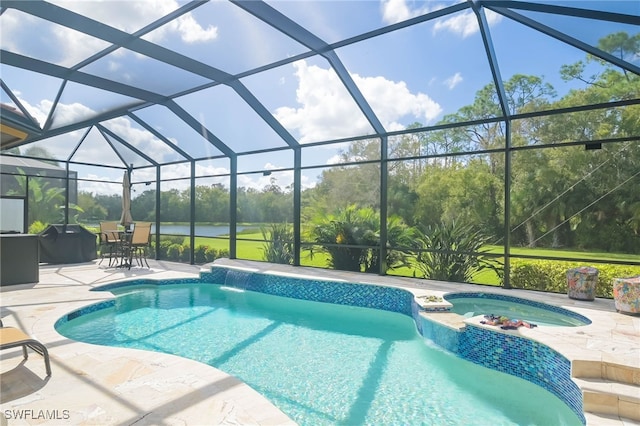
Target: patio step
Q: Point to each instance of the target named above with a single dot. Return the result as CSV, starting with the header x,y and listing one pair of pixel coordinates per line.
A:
x,y
607,420
583,369
609,391
611,398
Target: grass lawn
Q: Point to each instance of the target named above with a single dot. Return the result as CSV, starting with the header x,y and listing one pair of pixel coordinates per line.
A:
x,y
566,253
254,250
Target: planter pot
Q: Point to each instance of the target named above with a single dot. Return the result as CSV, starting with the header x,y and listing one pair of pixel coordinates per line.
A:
x,y
582,282
626,294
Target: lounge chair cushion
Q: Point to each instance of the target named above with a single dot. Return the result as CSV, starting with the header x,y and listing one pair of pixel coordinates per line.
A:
x,y
11,337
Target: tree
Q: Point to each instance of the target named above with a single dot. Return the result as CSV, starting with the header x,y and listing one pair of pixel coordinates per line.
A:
x,y
212,203
143,207
92,211
620,44
605,216
175,205
465,192
112,204
410,146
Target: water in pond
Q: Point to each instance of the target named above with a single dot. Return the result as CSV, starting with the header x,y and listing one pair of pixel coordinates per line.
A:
x,y
321,364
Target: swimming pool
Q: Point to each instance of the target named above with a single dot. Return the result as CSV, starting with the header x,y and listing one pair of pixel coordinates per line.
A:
x,y
472,304
324,363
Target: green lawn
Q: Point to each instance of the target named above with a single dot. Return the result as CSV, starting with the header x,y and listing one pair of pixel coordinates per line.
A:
x,y
253,250
566,253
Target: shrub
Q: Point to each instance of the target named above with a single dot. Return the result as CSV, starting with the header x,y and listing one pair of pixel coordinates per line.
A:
x,y
351,237
37,227
164,249
174,239
185,253
336,233
200,254
453,252
211,254
278,246
174,252
551,275
543,275
181,253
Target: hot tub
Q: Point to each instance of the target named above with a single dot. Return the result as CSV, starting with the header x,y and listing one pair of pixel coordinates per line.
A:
x,y
472,304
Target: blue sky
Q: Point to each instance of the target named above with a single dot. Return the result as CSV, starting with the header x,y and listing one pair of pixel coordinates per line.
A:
x,y
417,74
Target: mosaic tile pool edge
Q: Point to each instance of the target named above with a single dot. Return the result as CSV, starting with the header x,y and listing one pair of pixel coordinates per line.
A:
x,y
84,311
523,358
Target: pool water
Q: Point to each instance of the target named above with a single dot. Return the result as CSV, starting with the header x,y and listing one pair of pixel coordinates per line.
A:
x,y
320,363
514,308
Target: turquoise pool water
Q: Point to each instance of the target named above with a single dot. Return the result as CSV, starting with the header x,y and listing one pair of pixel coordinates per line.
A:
x,y
472,304
322,364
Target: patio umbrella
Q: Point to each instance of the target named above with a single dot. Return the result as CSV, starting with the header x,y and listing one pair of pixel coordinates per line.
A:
x,y
126,218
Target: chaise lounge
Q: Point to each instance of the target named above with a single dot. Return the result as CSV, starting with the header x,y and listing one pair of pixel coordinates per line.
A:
x,y
11,337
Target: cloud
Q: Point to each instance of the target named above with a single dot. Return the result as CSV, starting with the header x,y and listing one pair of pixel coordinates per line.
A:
x,y
190,31
74,112
141,139
13,24
394,11
392,101
71,113
453,81
18,37
327,111
38,111
464,24
129,16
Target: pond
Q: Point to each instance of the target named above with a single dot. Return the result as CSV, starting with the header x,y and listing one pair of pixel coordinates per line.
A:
x,y
200,230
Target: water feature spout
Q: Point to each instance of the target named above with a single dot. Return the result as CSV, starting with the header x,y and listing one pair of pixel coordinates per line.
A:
x,y
237,278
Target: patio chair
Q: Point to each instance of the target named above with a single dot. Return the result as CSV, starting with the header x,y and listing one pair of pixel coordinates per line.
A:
x,y
138,243
11,337
109,241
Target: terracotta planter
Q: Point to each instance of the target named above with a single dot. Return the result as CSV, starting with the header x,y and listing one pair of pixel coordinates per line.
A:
x,y
626,294
582,282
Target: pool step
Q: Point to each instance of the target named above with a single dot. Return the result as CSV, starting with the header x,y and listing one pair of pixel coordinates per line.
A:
x,y
610,391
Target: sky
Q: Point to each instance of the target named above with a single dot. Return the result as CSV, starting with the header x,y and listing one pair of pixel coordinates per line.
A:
x,y
417,74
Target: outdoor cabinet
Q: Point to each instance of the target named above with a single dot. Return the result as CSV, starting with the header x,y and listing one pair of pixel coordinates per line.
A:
x,y
19,259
